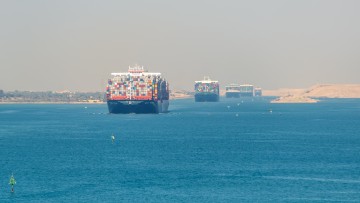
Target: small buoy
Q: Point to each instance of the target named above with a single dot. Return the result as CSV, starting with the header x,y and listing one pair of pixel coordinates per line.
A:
x,y
237,115
113,138
12,182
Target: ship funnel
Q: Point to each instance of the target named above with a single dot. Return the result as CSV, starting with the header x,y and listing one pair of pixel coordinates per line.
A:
x,y
207,78
136,69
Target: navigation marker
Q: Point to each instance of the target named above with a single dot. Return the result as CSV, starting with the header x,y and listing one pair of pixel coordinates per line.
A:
x,y
12,182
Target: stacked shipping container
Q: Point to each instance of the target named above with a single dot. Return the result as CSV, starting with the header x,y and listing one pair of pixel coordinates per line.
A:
x,y
137,85
206,90
212,87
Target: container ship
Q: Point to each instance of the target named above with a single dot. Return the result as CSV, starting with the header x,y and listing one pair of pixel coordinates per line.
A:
x,y
257,92
206,90
232,91
137,91
246,90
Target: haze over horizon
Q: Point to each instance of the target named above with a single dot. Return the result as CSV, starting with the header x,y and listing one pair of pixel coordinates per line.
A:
x,y
75,45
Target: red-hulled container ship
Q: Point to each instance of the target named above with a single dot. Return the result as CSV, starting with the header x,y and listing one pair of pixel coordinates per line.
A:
x,y
137,91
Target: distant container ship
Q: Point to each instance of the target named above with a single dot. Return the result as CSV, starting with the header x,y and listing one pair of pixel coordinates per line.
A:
x,y
246,90
232,91
137,91
207,90
257,92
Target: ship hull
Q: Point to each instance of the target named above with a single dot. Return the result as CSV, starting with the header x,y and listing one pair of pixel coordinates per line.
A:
x,y
232,94
257,94
246,94
137,106
206,97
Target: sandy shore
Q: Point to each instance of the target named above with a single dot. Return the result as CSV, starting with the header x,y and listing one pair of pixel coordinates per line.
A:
x,y
286,95
52,103
90,103
294,99
316,91
320,91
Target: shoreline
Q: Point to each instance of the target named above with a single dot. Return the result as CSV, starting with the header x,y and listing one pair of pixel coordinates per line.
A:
x,y
51,103
340,91
294,100
277,101
178,98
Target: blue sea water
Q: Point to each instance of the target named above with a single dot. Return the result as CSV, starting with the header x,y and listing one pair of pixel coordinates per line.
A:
x,y
230,151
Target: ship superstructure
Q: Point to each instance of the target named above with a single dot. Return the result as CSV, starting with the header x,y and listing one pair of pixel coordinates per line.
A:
x,y
232,90
246,90
257,92
137,91
207,90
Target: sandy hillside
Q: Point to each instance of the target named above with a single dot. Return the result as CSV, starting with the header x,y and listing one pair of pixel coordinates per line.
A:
x,y
334,91
282,92
324,90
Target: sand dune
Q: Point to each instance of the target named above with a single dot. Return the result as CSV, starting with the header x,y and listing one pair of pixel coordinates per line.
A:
x,y
317,91
334,91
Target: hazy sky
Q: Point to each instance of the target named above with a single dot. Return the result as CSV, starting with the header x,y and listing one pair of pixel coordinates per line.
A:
x,y
75,45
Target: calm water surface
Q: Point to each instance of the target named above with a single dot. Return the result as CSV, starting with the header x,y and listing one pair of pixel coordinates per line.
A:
x,y
231,151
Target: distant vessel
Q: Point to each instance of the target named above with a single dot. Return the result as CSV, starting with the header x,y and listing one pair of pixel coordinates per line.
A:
x,y
246,90
257,92
137,91
232,90
207,90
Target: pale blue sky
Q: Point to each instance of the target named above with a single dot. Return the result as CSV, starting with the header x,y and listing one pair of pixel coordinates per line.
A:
x,y
75,45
